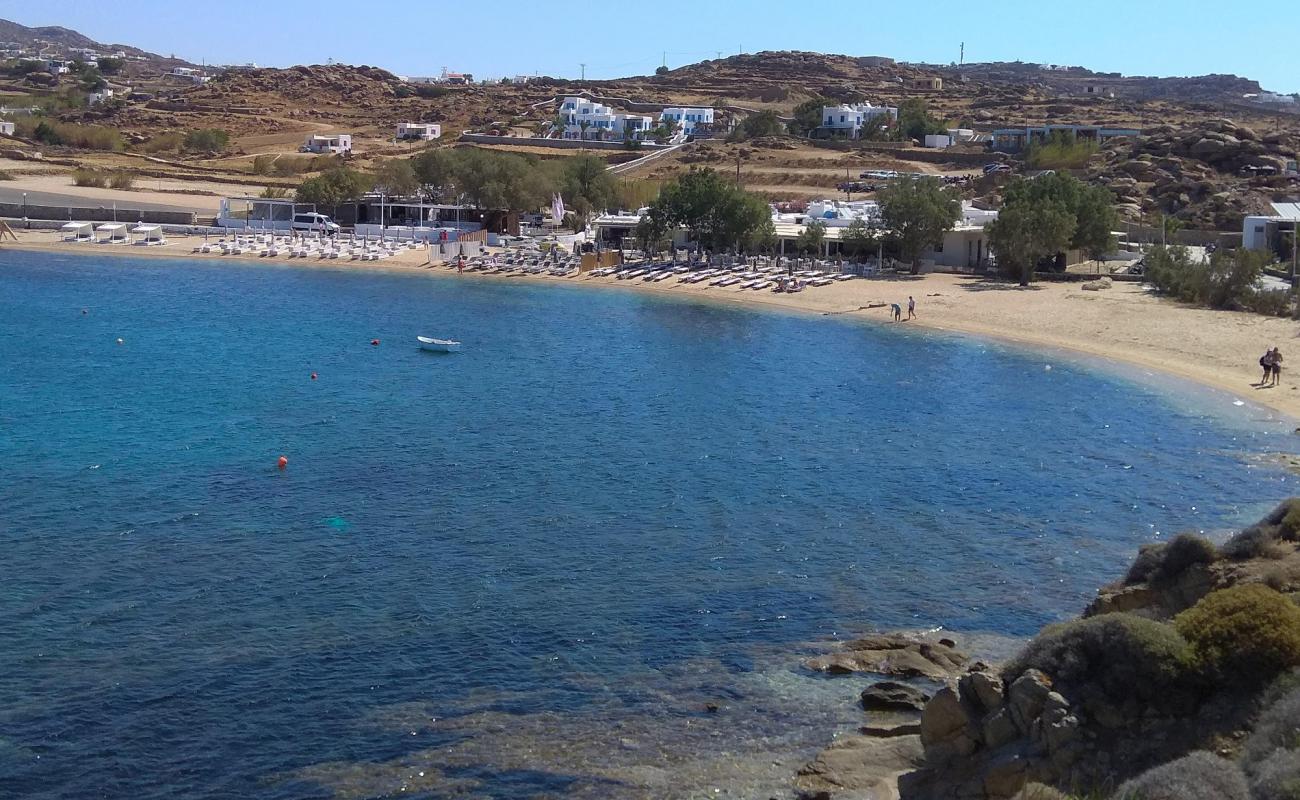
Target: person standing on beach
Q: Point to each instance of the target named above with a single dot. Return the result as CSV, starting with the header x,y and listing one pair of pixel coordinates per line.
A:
x,y
898,311
1277,366
911,307
1266,361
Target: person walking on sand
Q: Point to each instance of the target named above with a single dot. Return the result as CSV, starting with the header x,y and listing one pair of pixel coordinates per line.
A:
x,y
1266,362
911,307
1277,367
898,312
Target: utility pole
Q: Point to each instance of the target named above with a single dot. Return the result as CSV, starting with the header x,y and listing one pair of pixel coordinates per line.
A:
x,y
962,60
584,71
665,61
737,169
719,53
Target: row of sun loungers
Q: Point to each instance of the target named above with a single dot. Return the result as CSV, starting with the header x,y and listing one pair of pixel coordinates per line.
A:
x,y
270,246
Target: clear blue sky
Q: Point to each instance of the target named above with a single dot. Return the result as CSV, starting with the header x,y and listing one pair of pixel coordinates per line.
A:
x,y
492,39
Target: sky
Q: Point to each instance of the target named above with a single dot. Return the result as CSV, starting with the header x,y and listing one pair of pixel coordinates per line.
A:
x,y
497,38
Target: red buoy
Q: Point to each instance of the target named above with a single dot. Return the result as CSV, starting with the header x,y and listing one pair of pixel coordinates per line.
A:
x,y
313,376
282,463
374,342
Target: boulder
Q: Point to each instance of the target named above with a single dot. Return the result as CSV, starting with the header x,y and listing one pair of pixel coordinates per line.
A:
x,y
999,729
892,654
982,690
944,717
859,767
893,696
1006,776
1026,698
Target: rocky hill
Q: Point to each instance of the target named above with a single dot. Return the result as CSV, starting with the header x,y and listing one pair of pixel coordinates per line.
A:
x,y
62,39
1179,682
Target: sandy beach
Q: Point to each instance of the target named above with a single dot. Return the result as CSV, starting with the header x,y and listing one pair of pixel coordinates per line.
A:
x,y
1124,323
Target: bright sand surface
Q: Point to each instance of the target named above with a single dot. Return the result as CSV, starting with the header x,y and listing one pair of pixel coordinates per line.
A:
x,y
1123,323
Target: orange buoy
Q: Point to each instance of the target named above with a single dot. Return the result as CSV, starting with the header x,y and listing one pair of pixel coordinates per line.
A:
x,y
282,463
313,376
374,342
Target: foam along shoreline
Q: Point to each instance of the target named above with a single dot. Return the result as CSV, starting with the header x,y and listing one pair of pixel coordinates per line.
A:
x,y
1124,323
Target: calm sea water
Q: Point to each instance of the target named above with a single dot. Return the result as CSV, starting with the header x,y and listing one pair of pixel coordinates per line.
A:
x,y
518,570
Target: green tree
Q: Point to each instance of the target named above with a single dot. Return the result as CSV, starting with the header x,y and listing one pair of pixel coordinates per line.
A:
x,y
435,171
812,237
1091,207
918,212
334,187
808,116
207,140
1024,235
662,70
111,66
715,213
764,123
860,238
915,120
396,177
586,185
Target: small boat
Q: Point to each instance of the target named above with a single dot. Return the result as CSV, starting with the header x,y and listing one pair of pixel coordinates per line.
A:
x,y
438,345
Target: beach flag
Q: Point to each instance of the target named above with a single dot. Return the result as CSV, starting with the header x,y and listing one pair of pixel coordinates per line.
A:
x,y
557,208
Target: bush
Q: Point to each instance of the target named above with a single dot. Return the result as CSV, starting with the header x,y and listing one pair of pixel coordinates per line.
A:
x,y
1248,631
6,176
121,179
1270,302
1198,776
1163,563
1276,777
86,137
1120,657
89,177
1257,541
430,92
1278,728
169,142
1227,281
207,140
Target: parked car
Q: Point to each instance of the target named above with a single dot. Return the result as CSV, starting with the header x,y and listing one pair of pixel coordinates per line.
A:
x,y
990,169
314,222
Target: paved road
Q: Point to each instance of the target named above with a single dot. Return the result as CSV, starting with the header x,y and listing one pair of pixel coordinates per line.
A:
x,y
182,203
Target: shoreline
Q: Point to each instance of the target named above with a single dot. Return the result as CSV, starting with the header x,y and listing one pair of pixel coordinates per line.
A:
x,y
1124,324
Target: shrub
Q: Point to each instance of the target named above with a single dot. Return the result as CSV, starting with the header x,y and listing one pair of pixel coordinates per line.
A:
x,y
1257,541
89,177
1269,302
1197,776
207,140
1248,630
1278,728
86,137
274,193
121,179
1276,777
1162,563
430,92
6,176
1119,656
170,142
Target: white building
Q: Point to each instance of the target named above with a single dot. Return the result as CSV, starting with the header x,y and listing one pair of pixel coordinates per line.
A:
x,y
847,121
56,66
340,143
6,129
420,131
94,98
687,118
1267,233
587,119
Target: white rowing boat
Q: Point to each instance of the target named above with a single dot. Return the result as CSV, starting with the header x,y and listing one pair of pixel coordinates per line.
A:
x,y
438,345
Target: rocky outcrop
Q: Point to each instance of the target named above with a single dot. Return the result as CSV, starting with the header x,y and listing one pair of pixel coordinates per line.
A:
x,y
893,654
859,767
893,696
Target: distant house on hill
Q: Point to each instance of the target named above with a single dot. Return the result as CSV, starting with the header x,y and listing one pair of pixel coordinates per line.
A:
x,y
585,119
6,129
340,143
419,131
95,98
928,83
1013,140
688,119
56,66
847,121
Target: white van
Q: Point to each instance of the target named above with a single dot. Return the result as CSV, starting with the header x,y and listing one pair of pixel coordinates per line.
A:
x,y
314,222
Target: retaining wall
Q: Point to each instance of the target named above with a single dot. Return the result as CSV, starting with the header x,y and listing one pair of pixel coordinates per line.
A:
x,y
100,214
559,144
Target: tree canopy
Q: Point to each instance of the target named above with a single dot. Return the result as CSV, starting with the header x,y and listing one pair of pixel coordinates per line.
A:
x,y
915,120
764,123
1047,215
808,116
714,211
811,238
334,187
918,212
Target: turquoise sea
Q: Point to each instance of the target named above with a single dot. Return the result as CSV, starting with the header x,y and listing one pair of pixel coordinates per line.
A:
x,y
521,570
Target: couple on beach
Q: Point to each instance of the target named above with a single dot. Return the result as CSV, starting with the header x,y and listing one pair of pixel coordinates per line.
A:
x,y
898,310
1272,364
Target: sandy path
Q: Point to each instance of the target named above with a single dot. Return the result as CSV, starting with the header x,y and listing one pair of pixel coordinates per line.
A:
x,y
1124,323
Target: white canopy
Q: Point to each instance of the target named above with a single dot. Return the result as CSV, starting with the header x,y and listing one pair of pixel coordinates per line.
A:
x,y
142,228
75,226
110,226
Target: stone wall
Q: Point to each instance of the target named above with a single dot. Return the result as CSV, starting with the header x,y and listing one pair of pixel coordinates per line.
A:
x,y
99,214
559,144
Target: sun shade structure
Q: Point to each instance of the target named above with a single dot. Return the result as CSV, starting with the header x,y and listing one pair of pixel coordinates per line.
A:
x,y
77,231
150,234
112,233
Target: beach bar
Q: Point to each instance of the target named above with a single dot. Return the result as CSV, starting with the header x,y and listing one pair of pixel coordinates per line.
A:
x,y
77,232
